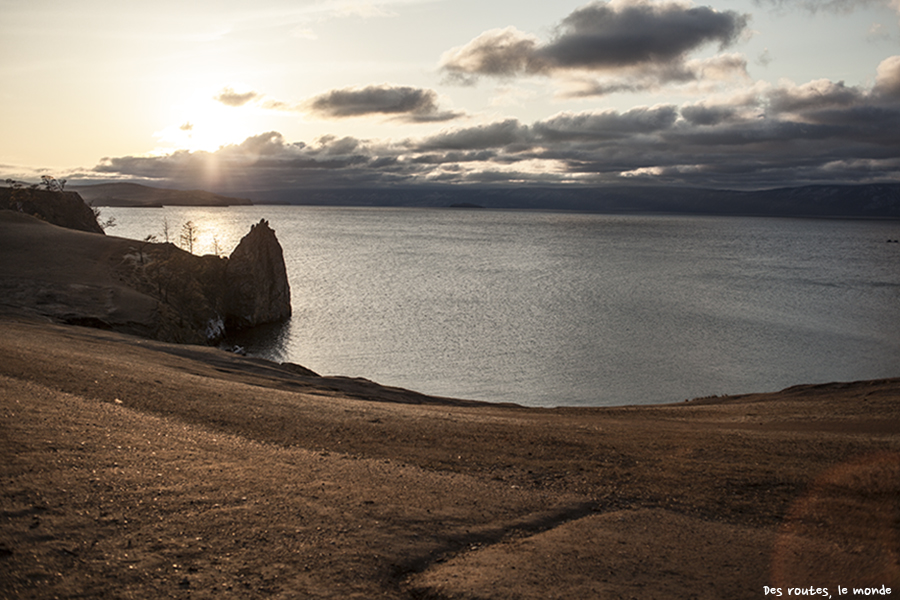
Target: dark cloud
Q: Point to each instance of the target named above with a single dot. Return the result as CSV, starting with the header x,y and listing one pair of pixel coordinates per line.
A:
x,y
653,75
789,134
264,161
408,103
638,43
606,35
813,95
414,105
453,157
229,97
699,114
599,126
503,134
496,53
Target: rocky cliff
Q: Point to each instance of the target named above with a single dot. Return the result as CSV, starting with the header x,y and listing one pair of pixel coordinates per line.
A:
x,y
66,209
256,285
149,289
203,297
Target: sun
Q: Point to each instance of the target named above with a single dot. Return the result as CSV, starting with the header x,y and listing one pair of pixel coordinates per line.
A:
x,y
207,125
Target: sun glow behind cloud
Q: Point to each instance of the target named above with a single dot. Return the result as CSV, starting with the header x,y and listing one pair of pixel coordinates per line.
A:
x,y
206,124
421,90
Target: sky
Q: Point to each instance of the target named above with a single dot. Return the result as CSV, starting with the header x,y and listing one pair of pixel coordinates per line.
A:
x,y
285,94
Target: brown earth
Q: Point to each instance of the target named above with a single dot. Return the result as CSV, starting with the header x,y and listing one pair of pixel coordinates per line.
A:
x,y
139,469
136,469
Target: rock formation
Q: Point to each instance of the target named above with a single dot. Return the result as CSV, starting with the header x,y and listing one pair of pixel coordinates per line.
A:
x,y
203,297
144,288
66,209
256,284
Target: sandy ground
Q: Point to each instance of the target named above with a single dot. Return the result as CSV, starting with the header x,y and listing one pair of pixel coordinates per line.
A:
x,y
134,469
137,469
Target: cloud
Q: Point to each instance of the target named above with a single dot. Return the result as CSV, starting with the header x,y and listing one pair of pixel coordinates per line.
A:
x,y
652,76
626,33
502,134
229,97
887,81
407,103
606,125
265,161
644,43
836,6
700,114
765,136
496,53
265,144
817,94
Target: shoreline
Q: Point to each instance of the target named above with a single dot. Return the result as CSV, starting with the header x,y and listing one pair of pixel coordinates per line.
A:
x,y
136,468
143,469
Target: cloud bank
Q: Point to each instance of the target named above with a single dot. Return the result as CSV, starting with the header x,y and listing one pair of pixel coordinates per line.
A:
x,y
769,136
631,44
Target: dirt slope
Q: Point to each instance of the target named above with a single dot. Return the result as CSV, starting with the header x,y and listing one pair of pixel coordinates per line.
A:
x,y
137,469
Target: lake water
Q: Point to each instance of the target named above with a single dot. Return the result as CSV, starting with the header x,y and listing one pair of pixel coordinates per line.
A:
x,y
549,309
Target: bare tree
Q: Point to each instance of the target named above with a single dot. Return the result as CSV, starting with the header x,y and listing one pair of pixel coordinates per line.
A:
x,y
110,222
52,184
189,236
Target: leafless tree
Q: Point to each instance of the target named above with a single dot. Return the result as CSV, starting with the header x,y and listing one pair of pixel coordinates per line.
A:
x,y
52,184
188,236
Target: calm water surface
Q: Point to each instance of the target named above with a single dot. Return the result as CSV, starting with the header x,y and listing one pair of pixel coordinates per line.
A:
x,y
554,309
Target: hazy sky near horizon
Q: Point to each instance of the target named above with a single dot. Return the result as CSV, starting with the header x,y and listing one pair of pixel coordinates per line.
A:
x,y
288,93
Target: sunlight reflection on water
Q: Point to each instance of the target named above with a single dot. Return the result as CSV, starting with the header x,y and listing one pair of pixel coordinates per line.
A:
x,y
216,230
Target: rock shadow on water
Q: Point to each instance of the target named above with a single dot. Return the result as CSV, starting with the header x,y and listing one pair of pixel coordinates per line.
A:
x,y
268,341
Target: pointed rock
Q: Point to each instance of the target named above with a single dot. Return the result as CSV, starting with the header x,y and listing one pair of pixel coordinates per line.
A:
x,y
257,289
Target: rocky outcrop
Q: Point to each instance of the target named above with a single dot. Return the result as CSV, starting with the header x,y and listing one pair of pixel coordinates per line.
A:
x,y
256,284
66,209
149,289
204,297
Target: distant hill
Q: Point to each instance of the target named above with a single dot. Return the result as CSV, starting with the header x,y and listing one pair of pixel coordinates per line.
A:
x,y
880,200
133,194
853,201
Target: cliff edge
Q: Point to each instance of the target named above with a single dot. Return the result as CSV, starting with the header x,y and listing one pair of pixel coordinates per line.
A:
x,y
154,290
66,209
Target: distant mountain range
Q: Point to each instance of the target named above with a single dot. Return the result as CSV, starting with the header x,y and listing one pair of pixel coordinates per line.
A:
x,y
859,201
852,201
133,194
